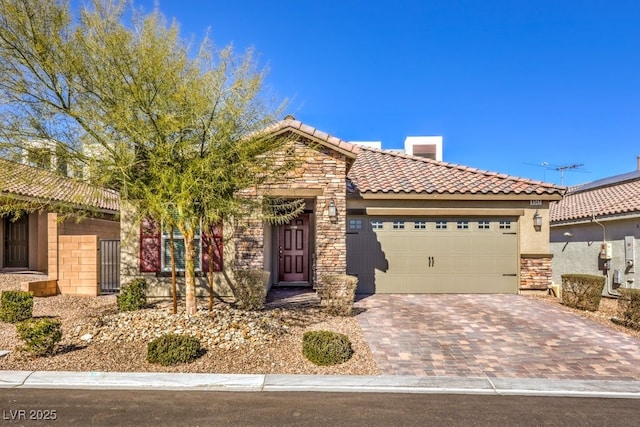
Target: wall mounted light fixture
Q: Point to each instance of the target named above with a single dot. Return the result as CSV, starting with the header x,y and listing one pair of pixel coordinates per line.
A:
x,y
333,211
537,221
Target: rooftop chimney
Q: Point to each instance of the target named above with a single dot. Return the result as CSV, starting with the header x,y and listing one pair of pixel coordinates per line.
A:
x,y
638,159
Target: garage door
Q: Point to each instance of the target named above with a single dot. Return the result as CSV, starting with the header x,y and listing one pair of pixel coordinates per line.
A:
x,y
433,255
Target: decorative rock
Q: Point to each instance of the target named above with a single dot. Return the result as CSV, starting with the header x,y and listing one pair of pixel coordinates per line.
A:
x,y
4,353
86,337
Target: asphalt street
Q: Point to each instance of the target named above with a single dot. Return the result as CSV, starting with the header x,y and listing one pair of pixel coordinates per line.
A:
x,y
30,407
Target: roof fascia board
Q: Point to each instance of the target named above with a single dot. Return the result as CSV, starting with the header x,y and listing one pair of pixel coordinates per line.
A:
x,y
598,218
444,211
437,196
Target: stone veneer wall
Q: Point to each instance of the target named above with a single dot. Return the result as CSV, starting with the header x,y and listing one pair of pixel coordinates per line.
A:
x,y
535,272
322,171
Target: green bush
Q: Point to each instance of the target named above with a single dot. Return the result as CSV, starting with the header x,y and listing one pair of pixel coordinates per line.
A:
x,y
171,349
249,289
629,307
16,306
40,336
133,296
326,348
337,293
582,291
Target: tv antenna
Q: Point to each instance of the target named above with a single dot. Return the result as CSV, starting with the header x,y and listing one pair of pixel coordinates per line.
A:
x,y
559,168
563,168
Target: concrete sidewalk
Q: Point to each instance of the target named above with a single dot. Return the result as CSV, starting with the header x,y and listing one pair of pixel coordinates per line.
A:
x,y
318,383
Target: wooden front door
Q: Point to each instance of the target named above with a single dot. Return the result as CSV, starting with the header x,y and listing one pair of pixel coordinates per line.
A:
x,y
293,250
16,242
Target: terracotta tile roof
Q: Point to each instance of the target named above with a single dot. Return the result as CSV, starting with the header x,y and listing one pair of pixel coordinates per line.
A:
x,y
379,171
615,195
289,123
22,180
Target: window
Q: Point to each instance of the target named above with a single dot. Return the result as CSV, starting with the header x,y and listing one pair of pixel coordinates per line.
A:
x,y
462,225
420,225
398,225
355,224
377,225
178,244
483,225
441,225
155,249
505,225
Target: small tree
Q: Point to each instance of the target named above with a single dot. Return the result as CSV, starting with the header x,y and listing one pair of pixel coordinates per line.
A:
x,y
177,133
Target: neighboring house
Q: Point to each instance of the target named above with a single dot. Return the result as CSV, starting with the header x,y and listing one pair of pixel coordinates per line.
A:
x,y
603,212
400,223
65,249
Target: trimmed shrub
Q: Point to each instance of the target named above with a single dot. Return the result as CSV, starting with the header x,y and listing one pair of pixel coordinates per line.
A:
x,y
337,293
582,291
629,307
40,335
133,296
326,348
250,289
16,306
171,349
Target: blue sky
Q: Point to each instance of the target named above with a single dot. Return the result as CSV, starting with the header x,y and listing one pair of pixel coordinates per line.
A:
x,y
509,84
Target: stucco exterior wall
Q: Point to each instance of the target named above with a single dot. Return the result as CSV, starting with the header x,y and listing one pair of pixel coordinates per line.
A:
x,y
160,283
580,252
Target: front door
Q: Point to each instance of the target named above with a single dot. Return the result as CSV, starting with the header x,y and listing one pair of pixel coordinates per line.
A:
x,y
16,242
293,250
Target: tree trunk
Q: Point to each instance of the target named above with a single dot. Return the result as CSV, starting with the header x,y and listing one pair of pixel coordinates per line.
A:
x,y
174,287
210,250
191,304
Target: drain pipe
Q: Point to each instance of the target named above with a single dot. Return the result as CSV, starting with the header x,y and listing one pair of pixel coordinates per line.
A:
x,y
608,287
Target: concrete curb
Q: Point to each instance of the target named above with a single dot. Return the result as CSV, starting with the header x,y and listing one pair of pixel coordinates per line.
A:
x,y
319,383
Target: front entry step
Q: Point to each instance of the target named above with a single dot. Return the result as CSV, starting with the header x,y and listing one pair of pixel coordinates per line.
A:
x,y
293,284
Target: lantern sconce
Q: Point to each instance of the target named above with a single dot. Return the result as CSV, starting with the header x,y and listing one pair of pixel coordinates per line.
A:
x,y
537,221
333,211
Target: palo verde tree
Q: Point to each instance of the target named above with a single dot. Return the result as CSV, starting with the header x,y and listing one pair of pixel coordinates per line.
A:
x,y
176,130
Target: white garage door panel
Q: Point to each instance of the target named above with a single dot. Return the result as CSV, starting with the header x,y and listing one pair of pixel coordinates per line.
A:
x,y
430,260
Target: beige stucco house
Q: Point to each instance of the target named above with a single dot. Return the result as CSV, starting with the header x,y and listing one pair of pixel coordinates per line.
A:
x,y
400,223
62,247
595,230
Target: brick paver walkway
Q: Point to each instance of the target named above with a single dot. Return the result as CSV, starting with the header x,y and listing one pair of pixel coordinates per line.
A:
x,y
506,336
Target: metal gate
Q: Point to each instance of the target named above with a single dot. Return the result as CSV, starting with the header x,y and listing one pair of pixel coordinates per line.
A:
x,y
109,266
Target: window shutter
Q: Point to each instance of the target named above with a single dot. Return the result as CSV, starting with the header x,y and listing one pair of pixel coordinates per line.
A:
x,y
150,243
215,239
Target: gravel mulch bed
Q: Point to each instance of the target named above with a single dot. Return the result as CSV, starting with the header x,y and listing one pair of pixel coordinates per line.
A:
x,y
96,337
608,308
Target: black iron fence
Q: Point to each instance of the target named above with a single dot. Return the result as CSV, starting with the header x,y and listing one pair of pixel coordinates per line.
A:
x,y
109,266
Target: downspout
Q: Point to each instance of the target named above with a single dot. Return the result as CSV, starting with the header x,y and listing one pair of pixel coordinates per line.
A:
x,y
608,288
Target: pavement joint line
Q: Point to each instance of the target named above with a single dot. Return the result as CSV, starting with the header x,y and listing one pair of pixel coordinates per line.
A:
x,y
493,386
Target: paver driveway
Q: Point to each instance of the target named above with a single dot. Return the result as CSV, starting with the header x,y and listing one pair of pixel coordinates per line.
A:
x,y
506,336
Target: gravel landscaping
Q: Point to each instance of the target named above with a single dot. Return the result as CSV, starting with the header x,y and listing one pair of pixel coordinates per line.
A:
x,y
96,337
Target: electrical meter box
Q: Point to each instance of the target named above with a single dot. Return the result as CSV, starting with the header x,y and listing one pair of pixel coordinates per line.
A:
x,y
605,250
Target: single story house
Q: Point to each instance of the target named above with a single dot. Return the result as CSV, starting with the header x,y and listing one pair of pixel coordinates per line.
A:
x,y
595,230
63,247
400,223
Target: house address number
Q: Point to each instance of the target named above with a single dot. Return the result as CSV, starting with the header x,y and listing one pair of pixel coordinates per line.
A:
x,y
535,202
